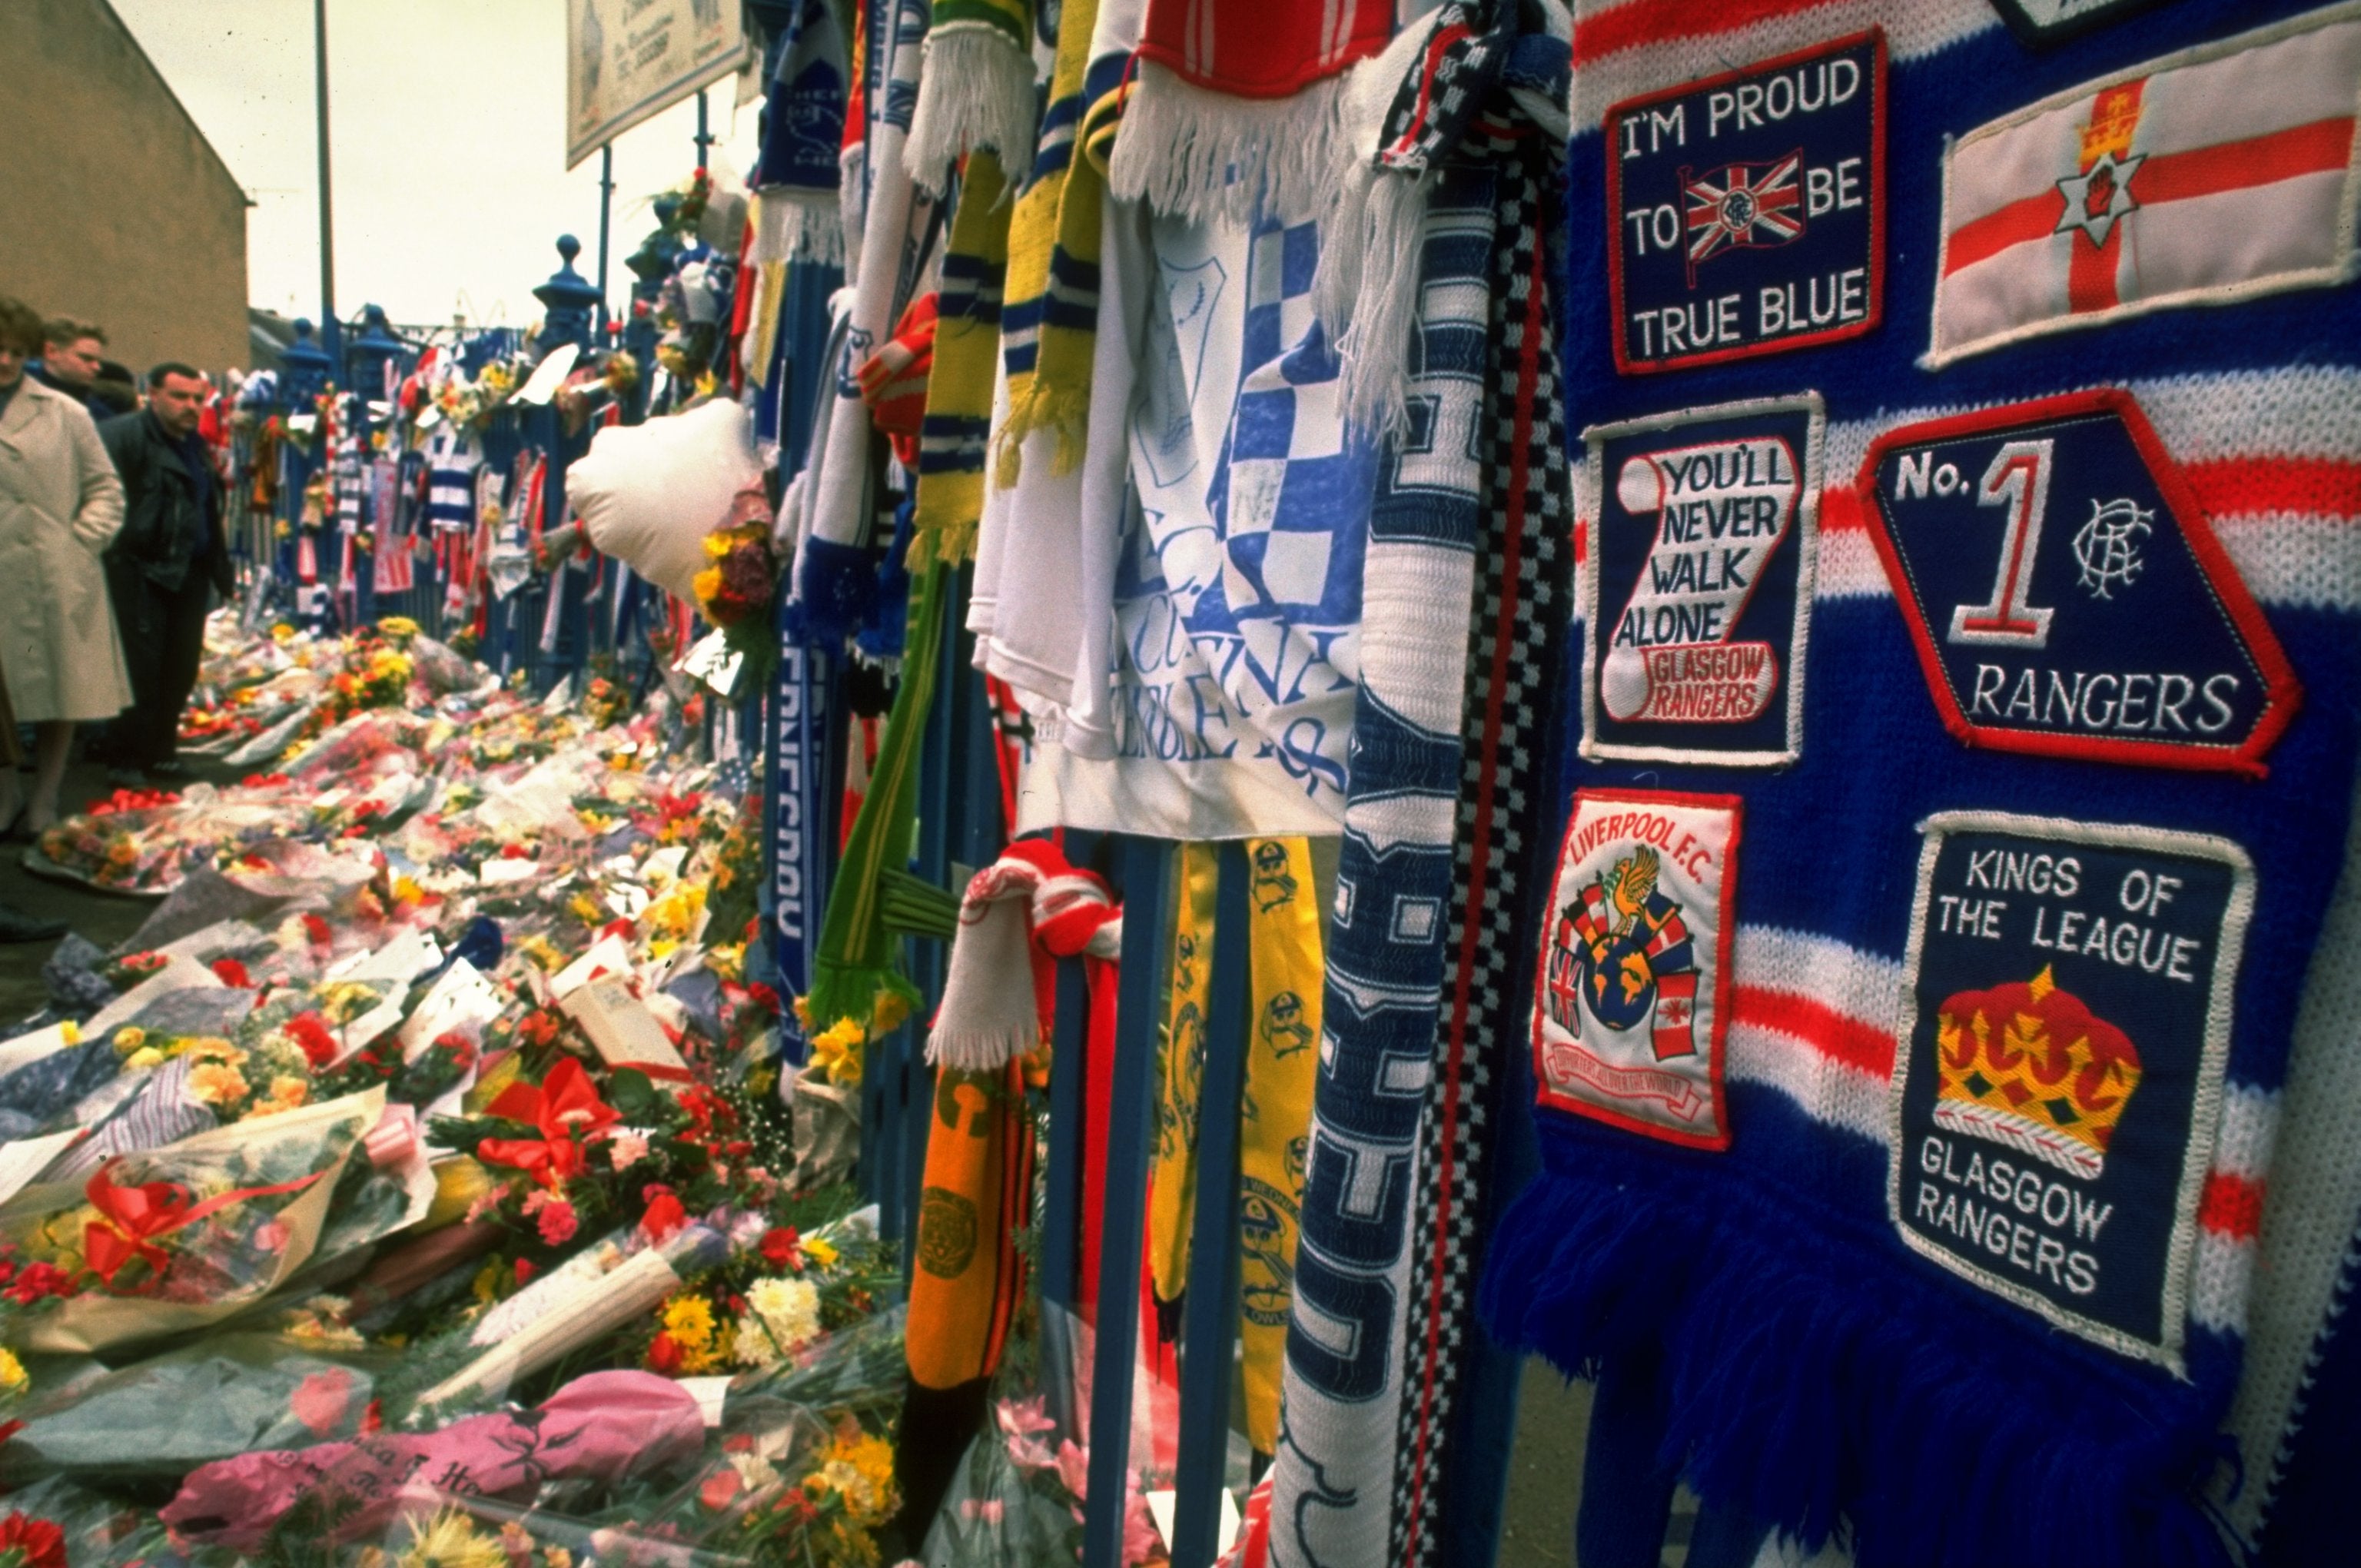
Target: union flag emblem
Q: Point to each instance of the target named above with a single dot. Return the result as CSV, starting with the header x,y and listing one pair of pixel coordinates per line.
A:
x,y
1743,206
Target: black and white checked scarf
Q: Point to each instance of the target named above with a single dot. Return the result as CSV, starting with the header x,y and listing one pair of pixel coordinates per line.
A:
x,y
1420,955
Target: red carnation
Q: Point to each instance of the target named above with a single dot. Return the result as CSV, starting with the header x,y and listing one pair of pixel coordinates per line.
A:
x,y
320,1046
664,1353
229,972
781,1248
37,1542
665,1214
317,929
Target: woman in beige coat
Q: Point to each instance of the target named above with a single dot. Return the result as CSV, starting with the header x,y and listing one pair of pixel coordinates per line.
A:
x,y
59,505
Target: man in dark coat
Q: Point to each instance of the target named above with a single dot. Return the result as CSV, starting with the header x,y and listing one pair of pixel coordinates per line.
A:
x,y
173,554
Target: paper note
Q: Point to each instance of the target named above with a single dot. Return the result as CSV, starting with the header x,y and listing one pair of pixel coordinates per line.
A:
x,y
607,955
463,996
710,1394
1162,1504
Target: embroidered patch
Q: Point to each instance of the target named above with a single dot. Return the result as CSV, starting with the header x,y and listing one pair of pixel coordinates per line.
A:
x,y
1748,210
2039,22
2206,177
2067,594
1702,528
2058,1081
1633,993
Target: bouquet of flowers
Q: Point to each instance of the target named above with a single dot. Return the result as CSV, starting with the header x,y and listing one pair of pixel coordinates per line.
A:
x,y
175,1238
737,591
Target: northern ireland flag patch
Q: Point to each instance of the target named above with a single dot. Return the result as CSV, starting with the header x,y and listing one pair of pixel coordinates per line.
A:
x,y
2212,176
1696,601
1634,999
2058,1087
2065,592
1748,210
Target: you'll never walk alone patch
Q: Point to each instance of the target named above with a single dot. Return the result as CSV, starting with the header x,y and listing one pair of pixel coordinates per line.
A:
x,y
1697,605
2065,592
1748,210
2057,1081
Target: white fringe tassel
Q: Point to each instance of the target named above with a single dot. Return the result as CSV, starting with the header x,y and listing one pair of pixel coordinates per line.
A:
x,y
1197,155
792,223
1365,292
987,1019
975,91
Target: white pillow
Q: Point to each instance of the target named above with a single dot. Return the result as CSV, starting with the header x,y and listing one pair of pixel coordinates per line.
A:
x,y
650,493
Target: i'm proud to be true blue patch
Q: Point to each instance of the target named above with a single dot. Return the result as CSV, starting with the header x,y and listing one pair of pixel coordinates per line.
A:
x,y
1748,210
1702,525
2057,1082
2066,593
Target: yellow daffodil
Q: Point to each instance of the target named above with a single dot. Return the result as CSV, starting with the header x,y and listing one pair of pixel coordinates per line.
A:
x,y
836,1052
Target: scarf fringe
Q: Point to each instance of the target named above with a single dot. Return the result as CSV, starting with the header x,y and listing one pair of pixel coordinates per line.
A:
x,y
1365,292
794,225
1825,1398
976,90
950,543
1197,155
973,1050
1062,411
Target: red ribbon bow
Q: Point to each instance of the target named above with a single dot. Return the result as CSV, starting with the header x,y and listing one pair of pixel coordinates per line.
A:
x,y
565,1103
131,1218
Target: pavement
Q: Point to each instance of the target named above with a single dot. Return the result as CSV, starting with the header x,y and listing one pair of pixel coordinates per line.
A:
x,y
107,918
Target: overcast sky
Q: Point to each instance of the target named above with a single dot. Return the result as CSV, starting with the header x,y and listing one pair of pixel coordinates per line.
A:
x,y
448,132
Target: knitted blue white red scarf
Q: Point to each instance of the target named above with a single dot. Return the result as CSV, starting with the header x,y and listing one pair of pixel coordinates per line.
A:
x,y
1911,1040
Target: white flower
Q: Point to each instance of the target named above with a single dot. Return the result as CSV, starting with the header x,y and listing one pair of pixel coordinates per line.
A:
x,y
781,1315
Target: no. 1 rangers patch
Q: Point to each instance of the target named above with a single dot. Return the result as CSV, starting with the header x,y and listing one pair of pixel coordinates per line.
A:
x,y
1748,210
1698,600
2058,1085
2066,593
1633,992
2214,175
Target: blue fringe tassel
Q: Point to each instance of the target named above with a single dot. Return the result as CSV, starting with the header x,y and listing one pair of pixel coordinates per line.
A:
x,y
1829,1394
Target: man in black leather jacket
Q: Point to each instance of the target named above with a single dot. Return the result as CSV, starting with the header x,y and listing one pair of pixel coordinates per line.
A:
x,y
173,553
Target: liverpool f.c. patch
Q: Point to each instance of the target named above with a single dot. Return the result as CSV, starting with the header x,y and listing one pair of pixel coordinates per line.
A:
x,y
2066,593
1748,210
1632,1000
2057,1076
1696,603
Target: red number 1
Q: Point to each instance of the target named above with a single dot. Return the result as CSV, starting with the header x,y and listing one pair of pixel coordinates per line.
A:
x,y
2018,479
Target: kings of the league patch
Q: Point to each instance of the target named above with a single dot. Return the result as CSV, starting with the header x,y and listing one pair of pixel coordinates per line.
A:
x,y
2066,593
2058,1078
1748,210
1702,526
